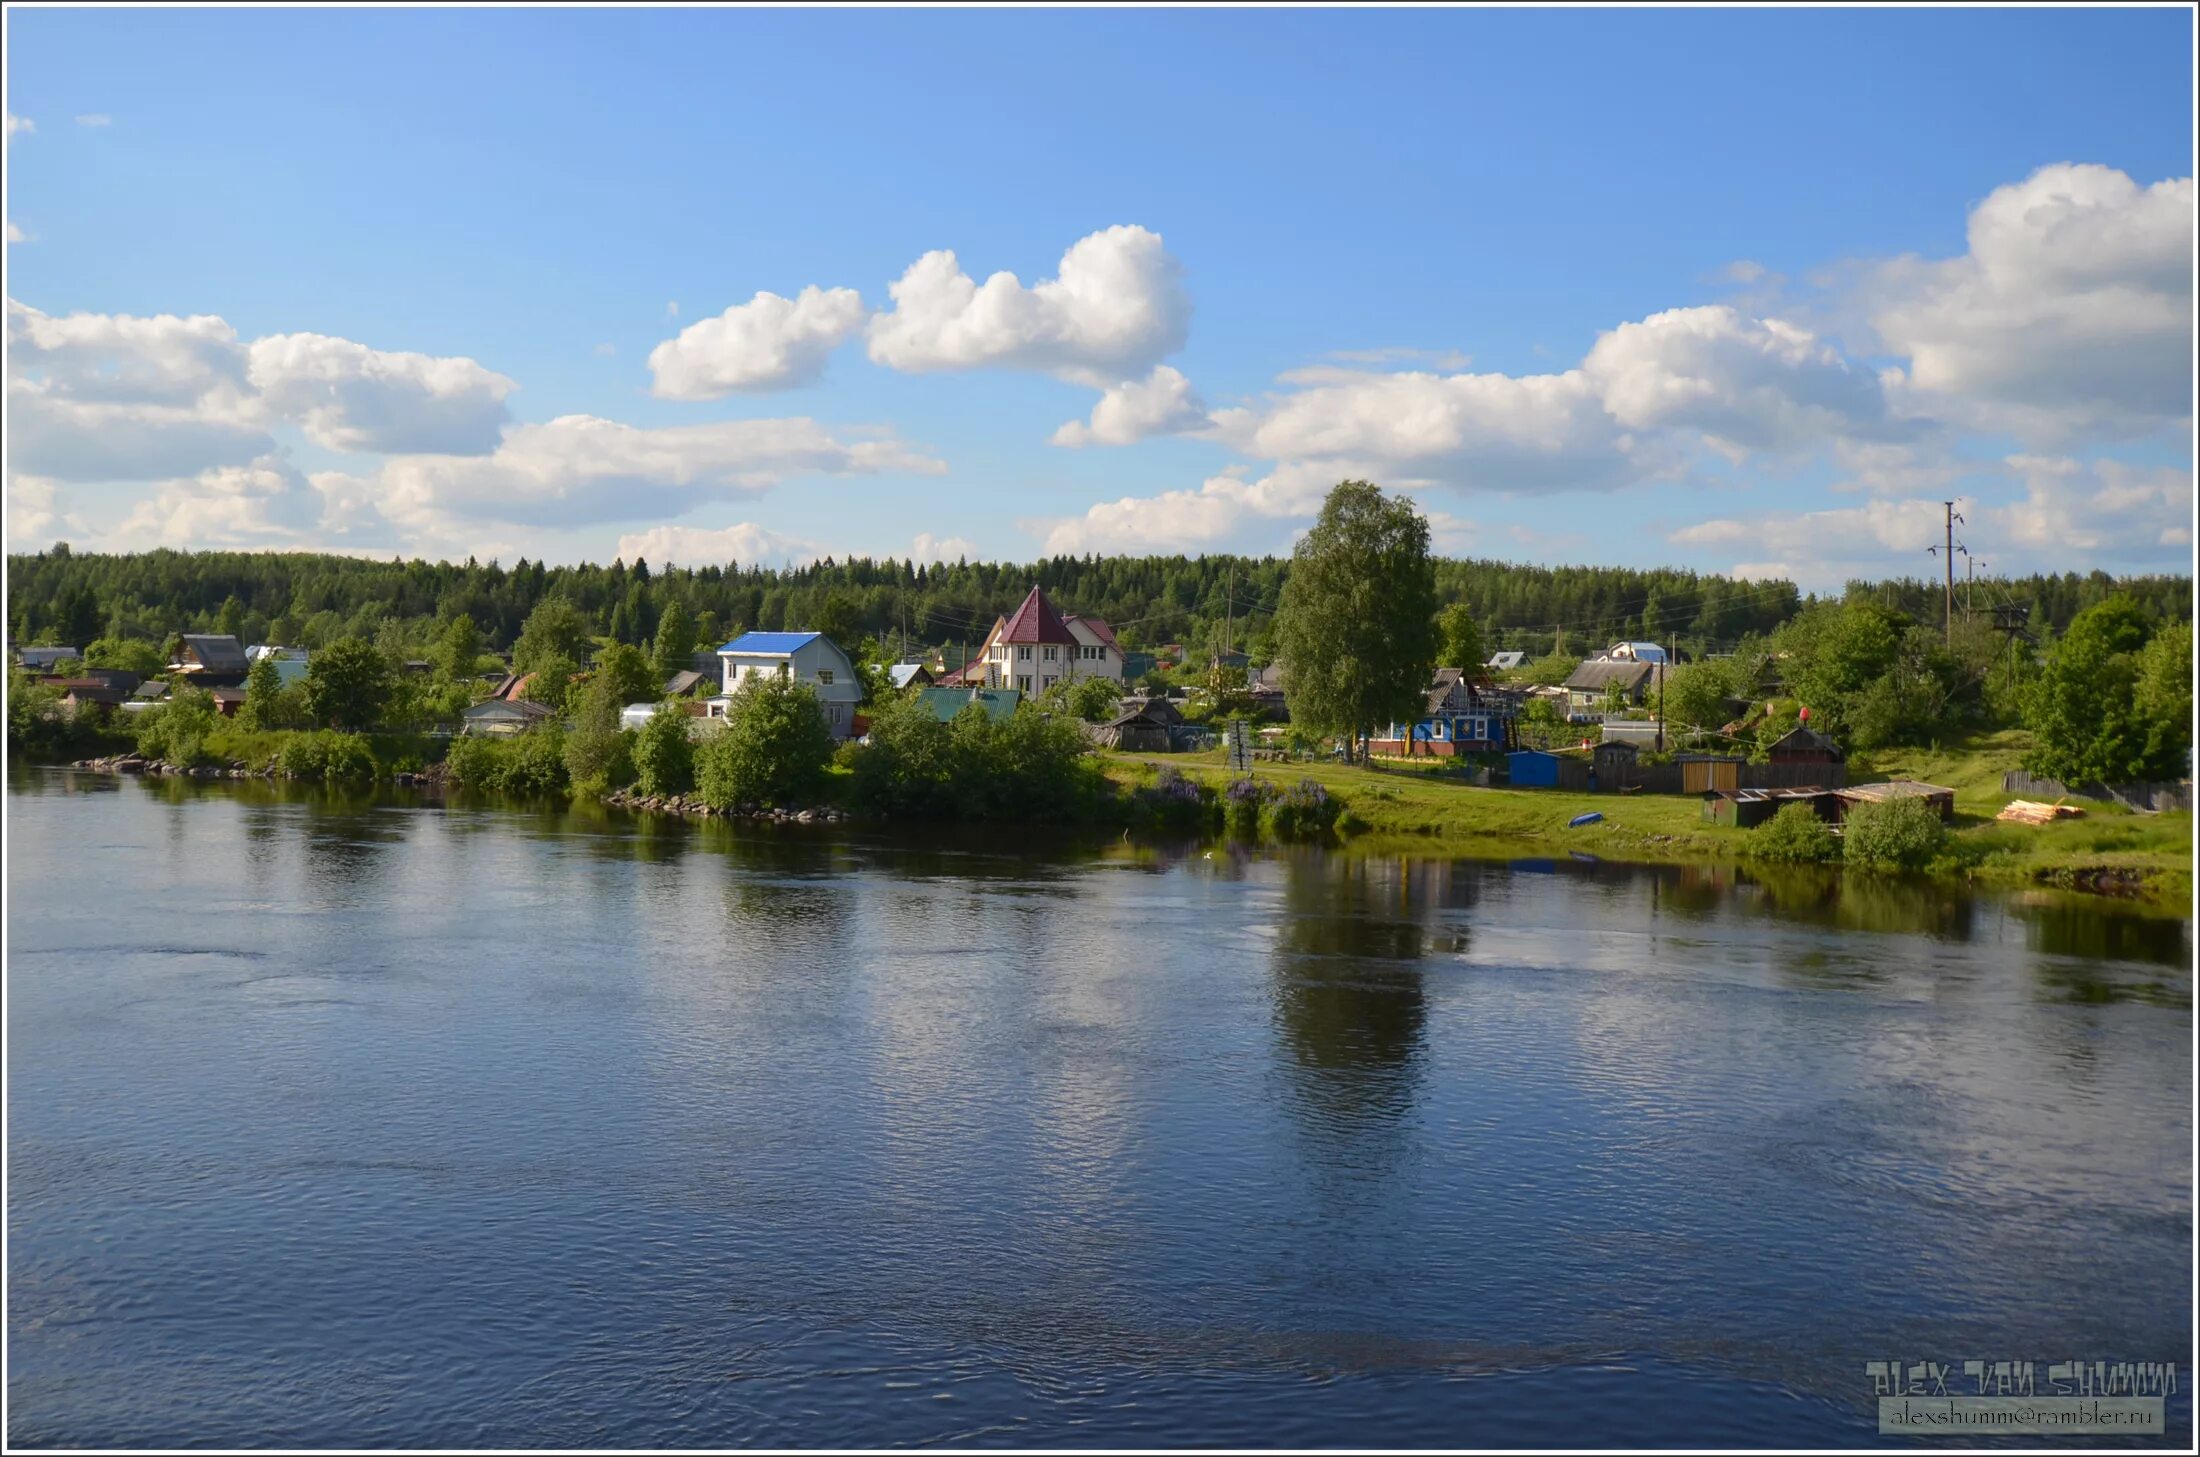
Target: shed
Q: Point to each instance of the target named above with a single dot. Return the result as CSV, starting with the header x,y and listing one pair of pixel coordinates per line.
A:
x,y
1614,762
1706,773
1748,808
1942,799
1138,731
910,675
503,717
947,703
1803,745
683,683
228,698
45,660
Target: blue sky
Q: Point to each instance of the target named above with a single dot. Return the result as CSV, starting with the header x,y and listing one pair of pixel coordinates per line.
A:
x,y
1740,291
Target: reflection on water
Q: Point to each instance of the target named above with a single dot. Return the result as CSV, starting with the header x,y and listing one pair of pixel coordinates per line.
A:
x,y
362,1119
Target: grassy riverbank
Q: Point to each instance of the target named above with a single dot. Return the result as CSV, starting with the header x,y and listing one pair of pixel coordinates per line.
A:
x,y
1408,807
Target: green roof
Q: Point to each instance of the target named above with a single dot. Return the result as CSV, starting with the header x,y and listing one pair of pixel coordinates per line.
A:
x,y
945,703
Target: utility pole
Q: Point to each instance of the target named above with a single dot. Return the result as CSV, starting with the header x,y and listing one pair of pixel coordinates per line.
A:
x,y
1946,551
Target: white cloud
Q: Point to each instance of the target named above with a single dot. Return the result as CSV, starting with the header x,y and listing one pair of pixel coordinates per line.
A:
x,y
95,118
580,469
672,309
701,546
605,351
19,124
1756,384
768,343
97,397
2101,512
32,512
347,396
1220,509
266,503
1115,308
17,235
2070,312
1448,361
1163,403
929,548
1492,432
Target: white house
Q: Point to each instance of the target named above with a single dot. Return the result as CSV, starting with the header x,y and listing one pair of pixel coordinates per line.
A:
x,y
807,657
1035,647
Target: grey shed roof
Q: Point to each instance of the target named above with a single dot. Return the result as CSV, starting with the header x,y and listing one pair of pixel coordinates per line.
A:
x,y
216,653
1598,674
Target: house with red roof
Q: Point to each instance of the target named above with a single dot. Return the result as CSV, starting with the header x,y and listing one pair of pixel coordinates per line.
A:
x,y
1036,646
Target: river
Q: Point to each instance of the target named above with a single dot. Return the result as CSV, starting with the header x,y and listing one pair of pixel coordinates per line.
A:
x,y
372,1121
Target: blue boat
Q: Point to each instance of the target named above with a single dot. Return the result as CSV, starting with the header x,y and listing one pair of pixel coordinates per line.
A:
x,y
1588,819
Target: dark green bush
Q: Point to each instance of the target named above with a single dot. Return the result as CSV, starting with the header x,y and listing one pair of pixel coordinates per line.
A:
x,y
531,763
328,757
1793,836
664,753
1895,834
774,749
1305,811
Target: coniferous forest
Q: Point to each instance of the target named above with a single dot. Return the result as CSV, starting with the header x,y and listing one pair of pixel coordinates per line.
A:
x,y
65,597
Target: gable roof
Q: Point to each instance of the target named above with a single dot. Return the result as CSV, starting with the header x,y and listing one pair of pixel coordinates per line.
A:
x,y
1601,673
682,682
946,703
904,674
1803,738
523,707
47,657
216,652
774,644
1037,621
1096,627
1506,660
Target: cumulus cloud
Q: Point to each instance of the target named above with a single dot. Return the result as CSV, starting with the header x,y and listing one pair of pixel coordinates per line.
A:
x,y
1115,307
768,343
744,541
1162,403
929,548
32,511
1757,384
123,397
1217,511
2111,513
580,469
266,503
1484,431
2070,312
347,396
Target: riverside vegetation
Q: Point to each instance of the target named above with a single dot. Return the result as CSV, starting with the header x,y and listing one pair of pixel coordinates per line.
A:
x,y
1360,614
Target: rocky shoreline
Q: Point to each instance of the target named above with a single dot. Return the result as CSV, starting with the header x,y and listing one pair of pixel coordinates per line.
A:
x,y
689,806
234,769
693,806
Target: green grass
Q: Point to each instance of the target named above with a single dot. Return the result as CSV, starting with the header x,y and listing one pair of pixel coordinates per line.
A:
x,y
1405,808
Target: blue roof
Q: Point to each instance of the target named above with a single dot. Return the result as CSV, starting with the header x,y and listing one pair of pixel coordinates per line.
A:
x,y
767,642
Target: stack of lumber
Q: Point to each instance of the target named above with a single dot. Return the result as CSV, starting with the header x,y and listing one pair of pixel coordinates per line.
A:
x,y
2032,812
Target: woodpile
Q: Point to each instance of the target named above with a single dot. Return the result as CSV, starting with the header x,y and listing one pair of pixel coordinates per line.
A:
x,y
2032,812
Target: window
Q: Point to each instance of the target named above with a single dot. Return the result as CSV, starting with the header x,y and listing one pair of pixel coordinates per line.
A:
x,y
1023,653
824,675
1050,652
1023,681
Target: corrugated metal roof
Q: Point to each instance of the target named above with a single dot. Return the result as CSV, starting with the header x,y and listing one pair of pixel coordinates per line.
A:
x,y
768,642
1602,673
945,703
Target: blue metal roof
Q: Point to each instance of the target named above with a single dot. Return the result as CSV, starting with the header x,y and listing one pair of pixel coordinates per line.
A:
x,y
767,642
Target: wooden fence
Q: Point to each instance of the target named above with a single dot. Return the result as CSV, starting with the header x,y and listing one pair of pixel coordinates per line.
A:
x,y
2151,797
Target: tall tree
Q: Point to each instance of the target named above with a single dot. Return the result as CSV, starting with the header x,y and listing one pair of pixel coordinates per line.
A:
x,y
555,629
2107,707
675,644
1461,637
347,685
1356,630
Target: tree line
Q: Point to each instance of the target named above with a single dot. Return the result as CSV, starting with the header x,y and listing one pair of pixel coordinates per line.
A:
x,y
1203,604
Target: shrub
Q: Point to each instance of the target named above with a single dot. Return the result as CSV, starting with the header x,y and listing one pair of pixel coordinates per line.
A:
x,y
328,757
1302,812
1793,836
1895,834
908,768
526,764
1176,803
176,731
664,753
773,750
1243,803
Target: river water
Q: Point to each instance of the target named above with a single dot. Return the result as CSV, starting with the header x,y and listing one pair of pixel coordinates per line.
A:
x,y
375,1122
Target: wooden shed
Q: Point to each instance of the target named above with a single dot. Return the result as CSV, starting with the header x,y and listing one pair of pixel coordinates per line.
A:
x,y
1709,773
1939,797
